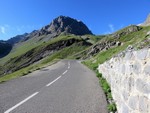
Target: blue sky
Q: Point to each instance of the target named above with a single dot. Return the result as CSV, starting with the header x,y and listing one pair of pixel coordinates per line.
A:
x,y
101,16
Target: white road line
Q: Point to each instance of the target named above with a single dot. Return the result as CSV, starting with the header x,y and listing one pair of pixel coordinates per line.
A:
x,y
53,81
68,63
65,72
69,67
17,105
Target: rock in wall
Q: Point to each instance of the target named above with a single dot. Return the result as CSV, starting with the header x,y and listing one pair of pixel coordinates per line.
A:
x,y
129,77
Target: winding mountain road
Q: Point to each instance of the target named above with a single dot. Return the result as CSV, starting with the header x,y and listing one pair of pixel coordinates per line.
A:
x,y
65,87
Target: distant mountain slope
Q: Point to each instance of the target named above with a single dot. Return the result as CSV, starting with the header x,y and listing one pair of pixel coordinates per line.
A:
x,y
16,39
5,48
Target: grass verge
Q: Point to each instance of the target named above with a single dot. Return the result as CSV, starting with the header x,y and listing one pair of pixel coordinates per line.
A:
x,y
93,65
105,86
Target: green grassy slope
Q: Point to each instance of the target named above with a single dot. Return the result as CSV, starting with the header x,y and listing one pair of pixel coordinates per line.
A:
x,y
63,52
23,47
19,49
137,39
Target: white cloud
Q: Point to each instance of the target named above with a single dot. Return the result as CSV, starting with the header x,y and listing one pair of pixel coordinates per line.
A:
x,y
111,27
121,26
2,29
19,29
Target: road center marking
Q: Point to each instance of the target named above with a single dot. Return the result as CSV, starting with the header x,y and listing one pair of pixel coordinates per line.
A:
x,y
65,72
53,81
69,67
17,105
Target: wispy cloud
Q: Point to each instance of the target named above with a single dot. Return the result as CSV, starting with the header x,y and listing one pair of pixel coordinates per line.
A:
x,y
7,31
121,26
111,27
2,29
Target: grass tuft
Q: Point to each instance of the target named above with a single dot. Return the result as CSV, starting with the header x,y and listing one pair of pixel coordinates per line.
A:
x,y
112,107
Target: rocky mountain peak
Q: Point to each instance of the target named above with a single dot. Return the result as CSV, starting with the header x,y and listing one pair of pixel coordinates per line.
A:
x,y
66,25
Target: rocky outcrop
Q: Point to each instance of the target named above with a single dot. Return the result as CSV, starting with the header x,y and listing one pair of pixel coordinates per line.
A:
x,y
97,48
102,46
129,76
126,31
110,41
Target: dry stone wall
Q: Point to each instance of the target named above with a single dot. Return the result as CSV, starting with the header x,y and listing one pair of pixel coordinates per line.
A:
x,y
129,77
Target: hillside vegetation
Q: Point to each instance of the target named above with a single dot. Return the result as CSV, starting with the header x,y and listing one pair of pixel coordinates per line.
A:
x,y
54,42
138,40
70,43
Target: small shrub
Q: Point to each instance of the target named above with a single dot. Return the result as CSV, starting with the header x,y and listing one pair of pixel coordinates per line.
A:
x,y
95,67
2,81
29,71
38,68
112,107
24,73
105,85
106,88
99,75
109,95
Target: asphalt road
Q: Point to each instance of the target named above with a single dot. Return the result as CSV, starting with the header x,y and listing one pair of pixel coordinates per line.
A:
x,y
65,87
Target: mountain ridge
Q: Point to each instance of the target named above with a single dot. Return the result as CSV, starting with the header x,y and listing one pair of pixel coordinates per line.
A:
x,y
61,25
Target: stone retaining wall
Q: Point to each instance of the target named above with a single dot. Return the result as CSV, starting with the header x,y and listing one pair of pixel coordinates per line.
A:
x,y
129,77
